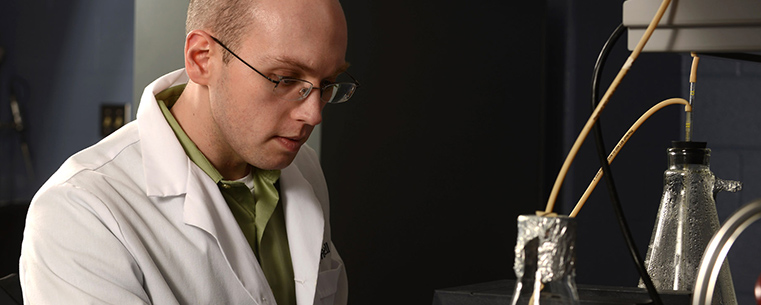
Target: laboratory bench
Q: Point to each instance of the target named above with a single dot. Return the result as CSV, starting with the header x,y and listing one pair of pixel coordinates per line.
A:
x,y
500,293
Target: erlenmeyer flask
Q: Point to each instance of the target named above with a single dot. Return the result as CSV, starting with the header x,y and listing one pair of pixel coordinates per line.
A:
x,y
686,221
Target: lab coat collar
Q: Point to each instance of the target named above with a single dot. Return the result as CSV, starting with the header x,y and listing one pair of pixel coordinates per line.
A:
x,y
165,174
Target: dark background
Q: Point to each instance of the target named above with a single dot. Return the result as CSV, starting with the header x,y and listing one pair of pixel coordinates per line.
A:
x,y
465,115
440,149
468,112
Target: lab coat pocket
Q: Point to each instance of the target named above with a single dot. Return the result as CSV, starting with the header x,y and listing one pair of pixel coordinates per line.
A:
x,y
327,284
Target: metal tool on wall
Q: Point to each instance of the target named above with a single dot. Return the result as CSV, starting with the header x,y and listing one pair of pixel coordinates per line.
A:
x,y
18,125
18,122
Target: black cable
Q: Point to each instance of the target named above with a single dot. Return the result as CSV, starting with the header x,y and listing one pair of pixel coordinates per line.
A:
x,y
601,152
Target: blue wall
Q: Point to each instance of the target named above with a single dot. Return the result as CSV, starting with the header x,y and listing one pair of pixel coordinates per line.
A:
x,y
727,109
64,59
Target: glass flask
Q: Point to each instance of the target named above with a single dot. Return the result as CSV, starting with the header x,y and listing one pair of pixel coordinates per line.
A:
x,y
545,259
686,221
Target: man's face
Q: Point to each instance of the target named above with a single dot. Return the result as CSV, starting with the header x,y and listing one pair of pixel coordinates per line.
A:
x,y
291,38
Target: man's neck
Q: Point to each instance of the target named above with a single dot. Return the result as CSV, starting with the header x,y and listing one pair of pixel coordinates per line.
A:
x,y
193,114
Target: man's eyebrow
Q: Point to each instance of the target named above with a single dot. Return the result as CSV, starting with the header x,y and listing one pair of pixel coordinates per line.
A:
x,y
294,63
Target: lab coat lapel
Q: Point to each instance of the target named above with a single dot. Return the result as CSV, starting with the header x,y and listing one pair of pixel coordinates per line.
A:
x,y
206,209
305,225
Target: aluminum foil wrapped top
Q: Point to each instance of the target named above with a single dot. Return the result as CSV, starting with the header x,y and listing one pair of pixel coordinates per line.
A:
x,y
545,245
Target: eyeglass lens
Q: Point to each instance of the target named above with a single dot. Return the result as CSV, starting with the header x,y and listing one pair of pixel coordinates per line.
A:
x,y
296,89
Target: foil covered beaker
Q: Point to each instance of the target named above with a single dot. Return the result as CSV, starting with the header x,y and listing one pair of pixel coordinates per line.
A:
x,y
545,261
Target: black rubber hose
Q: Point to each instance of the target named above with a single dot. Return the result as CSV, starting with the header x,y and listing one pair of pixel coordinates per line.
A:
x,y
601,152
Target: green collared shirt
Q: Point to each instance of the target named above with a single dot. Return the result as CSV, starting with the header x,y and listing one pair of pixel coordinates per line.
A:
x,y
263,224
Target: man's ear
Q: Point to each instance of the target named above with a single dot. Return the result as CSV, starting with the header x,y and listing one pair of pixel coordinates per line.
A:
x,y
198,55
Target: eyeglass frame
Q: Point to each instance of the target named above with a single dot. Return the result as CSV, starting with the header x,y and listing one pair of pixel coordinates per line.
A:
x,y
281,78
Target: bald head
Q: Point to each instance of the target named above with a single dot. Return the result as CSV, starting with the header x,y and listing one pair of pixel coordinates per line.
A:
x,y
230,20
313,28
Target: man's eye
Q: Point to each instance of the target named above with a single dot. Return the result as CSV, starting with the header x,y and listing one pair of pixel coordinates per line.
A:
x,y
289,82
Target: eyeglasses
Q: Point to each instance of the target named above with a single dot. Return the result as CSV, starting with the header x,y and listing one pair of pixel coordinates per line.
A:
x,y
294,89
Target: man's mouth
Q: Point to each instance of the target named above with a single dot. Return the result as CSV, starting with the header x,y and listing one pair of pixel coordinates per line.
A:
x,y
291,143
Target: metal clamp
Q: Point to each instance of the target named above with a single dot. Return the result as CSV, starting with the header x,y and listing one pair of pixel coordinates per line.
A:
x,y
717,250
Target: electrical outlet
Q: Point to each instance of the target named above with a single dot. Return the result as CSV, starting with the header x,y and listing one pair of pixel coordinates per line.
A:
x,y
113,116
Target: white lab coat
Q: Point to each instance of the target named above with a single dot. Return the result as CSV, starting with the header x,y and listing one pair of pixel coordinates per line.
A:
x,y
131,220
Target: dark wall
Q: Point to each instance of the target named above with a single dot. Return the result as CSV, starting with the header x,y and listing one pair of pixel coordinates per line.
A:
x,y
441,148
417,140
581,28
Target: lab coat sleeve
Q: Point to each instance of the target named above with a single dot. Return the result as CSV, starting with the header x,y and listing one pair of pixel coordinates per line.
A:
x,y
72,252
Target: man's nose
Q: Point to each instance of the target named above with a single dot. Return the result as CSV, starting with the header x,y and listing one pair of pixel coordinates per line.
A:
x,y
310,109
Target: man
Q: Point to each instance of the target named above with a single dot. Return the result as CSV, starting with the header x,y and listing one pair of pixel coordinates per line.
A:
x,y
209,197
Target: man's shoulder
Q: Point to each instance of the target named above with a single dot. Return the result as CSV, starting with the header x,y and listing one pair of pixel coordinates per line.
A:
x,y
116,157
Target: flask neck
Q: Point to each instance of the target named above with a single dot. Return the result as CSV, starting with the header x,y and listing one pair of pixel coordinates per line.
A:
x,y
681,157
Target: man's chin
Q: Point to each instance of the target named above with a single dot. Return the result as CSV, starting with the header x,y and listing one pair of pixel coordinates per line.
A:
x,y
281,161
